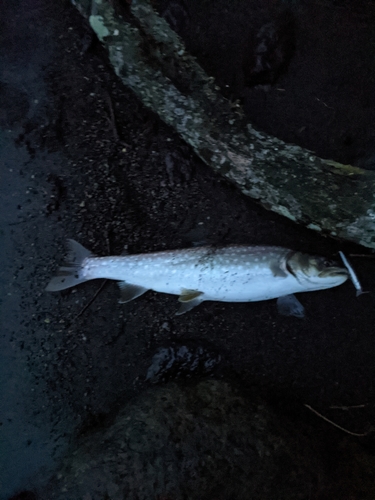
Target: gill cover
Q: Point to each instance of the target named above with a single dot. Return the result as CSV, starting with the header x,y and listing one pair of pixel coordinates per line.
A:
x,y
313,266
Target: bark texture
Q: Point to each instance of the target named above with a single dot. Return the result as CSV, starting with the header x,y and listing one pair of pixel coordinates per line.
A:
x,y
151,59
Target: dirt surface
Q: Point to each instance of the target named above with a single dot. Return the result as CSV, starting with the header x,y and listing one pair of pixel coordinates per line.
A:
x,y
82,158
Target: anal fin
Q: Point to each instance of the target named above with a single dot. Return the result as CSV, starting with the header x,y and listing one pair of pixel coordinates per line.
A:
x,y
289,305
129,291
277,271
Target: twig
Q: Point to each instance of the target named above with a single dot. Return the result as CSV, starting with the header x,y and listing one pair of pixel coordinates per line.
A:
x,y
108,244
112,121
91,300
362,255
112,118
326,105
333,407
336,425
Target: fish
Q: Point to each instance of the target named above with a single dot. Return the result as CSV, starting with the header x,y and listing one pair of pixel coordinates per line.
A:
x,y
234,273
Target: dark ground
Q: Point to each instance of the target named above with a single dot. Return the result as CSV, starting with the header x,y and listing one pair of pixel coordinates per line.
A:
x,y
65,173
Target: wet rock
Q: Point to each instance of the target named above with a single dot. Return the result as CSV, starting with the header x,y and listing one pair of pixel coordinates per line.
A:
x,y
202,441
176,13
182,360
270,51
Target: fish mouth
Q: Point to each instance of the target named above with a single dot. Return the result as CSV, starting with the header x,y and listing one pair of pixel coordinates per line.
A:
x,y
334,272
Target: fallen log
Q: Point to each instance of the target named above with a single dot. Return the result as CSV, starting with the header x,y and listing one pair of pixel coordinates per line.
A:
x,y
149,57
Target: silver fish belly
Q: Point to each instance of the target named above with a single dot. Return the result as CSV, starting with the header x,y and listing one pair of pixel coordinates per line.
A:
x,y
235,273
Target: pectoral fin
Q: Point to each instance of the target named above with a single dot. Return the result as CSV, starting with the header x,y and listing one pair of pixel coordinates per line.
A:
x,y
130,292
189,299
188,295
290,306
187,306
277,270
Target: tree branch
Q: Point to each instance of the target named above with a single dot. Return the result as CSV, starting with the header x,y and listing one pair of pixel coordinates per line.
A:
x,y
151,59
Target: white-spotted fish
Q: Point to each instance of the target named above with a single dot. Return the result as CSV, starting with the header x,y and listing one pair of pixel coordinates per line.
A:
x,y
235,273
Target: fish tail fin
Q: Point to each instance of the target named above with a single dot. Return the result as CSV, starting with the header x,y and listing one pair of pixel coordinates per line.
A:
x,y
70,274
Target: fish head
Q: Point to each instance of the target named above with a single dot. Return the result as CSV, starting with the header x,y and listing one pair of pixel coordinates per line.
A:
x,y
316,272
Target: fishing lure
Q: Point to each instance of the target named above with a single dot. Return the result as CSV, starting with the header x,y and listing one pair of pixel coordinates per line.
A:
x,y
353,276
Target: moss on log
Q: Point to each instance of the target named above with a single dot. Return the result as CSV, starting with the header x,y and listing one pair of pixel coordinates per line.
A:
x,y
151,59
